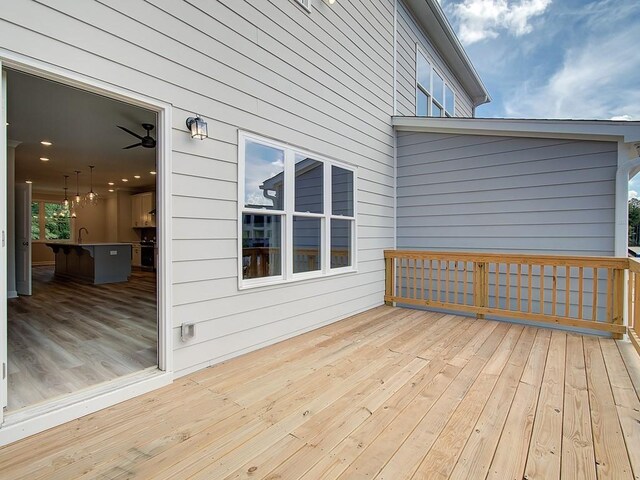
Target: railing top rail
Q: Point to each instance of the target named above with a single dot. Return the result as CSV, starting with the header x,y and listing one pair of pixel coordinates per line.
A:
x,y
634,265
522,258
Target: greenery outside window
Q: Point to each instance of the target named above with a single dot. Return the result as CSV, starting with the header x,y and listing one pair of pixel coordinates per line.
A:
x,y
45,218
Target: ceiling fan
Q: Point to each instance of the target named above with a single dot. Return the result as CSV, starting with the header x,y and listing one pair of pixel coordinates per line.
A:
x,y
146,141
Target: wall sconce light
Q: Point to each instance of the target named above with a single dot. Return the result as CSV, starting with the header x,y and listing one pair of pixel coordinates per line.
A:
x,y
330,2
198,127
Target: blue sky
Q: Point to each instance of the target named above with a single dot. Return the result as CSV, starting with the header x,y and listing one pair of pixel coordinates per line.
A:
x,y
553,58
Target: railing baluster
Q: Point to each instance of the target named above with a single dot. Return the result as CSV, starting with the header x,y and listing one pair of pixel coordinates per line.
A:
x,y
594,307
508,287
415,278
422,283
567,288
529,267
541,283
446,285
496,289
438,285
519,285
455,279
580,293
554,292
636,309
609,313
464,282
430,279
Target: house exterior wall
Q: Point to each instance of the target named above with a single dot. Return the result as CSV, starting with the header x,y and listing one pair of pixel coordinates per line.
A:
x,y
321,81
410,34
506,194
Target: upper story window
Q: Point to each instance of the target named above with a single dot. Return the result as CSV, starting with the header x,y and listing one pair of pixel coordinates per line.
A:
x,y
306,4
297,213
434,96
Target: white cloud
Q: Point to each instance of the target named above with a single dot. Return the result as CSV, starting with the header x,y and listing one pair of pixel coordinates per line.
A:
x,y
633,194
624,118
598,78
482,19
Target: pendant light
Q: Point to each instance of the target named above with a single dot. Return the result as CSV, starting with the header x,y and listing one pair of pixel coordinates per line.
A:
x,y
65,202
91,198
77,200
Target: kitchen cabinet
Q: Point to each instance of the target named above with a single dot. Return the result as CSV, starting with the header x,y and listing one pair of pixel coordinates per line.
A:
x,y
141,206
136,257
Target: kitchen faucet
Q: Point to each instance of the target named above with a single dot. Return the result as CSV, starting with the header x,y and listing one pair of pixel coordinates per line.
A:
x,y
80,234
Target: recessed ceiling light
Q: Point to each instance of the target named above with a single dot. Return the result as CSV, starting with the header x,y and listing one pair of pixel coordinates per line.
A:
x,y
111,183
152,173
136,176
28,181
44,159
111,190
46,143
125,179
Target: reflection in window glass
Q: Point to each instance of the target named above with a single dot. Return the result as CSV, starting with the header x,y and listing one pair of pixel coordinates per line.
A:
x,y
35,221
438,85
261,246
341,191
309,186
424,69
57,226
306,244
448,100
436,111
340,243
263,176
422,103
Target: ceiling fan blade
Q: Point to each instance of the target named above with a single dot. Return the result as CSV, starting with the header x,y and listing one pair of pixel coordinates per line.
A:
x,y
134,145
130,132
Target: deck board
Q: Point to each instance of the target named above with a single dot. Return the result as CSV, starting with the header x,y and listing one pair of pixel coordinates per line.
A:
x,y
389,394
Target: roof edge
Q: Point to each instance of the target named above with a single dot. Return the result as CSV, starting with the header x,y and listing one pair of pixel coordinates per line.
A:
x,y
605,130
434,21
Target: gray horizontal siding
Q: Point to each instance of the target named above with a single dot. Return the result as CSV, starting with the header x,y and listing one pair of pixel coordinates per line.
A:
x,y
409,33
484,193
322,81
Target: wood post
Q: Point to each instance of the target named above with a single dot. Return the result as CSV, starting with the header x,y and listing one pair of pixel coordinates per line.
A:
x,y
480,286
618,300
390,276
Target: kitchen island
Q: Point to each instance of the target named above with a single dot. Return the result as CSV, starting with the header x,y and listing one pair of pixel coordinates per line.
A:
x,y
95,263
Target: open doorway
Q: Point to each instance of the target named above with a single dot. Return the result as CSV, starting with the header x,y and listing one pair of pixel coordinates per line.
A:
x,y
82,245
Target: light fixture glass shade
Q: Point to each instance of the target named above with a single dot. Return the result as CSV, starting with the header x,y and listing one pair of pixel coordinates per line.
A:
x,y
198,127
76,201
91,198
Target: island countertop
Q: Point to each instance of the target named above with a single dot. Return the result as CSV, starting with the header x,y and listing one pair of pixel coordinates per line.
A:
x,y
87,244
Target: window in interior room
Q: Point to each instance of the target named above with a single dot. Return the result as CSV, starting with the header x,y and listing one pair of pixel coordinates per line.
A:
x,y
449,102
298,213
35,221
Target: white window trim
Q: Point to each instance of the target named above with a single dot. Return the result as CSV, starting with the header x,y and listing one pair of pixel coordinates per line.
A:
x,y
289,212
429,93
42,222
306,4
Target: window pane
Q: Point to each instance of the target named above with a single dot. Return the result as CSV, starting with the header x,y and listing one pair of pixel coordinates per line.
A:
x,y
340,243
422,103
57,226
309,189
438,85
261,243
436,111
341,191
264,176
306,244
35,221
448,100
423,70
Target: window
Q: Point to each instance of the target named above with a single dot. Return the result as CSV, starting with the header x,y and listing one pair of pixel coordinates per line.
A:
x,y
47,217
297,212
434,97
306,4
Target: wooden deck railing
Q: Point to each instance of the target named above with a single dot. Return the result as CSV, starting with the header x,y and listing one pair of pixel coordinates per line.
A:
x,y
633,298
584,292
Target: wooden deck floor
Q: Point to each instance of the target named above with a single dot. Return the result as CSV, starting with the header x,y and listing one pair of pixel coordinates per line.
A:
x,y
388,394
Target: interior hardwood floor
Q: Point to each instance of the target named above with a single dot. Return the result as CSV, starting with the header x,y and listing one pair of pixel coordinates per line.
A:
x,y
69,336
388,394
